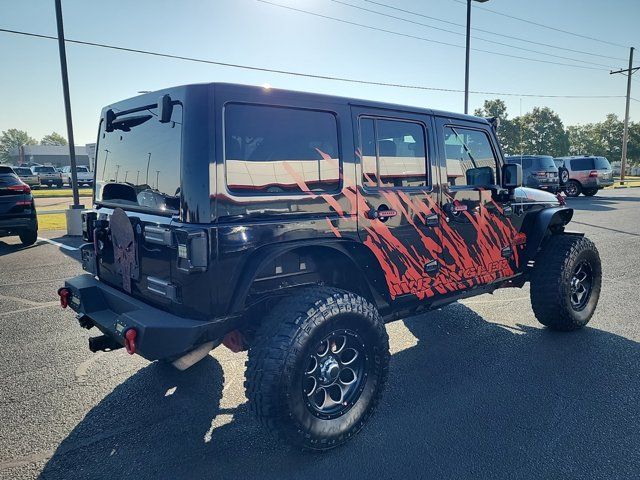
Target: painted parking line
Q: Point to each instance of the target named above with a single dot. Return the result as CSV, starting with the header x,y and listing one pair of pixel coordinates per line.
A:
x,y
58,244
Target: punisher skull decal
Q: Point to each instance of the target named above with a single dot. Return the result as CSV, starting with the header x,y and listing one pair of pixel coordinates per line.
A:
x,y
124,247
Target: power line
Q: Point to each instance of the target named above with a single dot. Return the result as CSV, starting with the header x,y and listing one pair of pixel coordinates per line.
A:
x,y
526,40
545,26
463,35
424,39
298,74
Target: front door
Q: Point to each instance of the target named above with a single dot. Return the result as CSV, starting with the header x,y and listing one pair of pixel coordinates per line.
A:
x,y
397,207
481,244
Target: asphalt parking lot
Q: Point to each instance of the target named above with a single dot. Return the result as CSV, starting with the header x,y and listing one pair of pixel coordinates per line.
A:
x,y
477,389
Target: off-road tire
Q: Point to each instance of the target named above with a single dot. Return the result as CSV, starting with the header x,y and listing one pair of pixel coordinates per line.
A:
x,y
28,237
589,192
551,282
573,188
283,344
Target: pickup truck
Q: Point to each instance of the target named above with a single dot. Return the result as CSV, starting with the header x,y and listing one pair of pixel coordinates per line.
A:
x,y
85,176
47,175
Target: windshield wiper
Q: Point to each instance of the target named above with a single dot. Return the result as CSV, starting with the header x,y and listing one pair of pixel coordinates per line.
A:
x,y
126,124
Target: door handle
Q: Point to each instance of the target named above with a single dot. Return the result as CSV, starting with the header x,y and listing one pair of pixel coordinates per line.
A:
x,y
432,267
383,213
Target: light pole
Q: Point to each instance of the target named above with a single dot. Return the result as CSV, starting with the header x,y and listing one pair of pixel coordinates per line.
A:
x,y
466,64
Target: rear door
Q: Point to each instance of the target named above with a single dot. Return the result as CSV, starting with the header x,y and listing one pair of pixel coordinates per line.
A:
x,y
478,235
398,218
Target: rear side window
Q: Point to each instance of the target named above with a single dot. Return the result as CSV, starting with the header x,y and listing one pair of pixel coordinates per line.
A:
x,y
45,170
275,150
393,153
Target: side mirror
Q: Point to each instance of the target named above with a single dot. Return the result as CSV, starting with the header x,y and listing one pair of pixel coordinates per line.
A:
x,y
165,108
511,176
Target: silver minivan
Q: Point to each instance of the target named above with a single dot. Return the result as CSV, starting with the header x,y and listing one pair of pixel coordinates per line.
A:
x,y
584,174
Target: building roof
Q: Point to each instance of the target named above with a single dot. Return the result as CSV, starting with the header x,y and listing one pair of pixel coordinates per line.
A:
x,y
42,150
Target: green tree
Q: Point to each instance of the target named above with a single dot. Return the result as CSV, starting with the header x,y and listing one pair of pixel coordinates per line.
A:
x,y
509,132
583,139
13,138
54,138
543,133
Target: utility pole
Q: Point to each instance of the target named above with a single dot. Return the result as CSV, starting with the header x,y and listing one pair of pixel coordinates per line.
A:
x,y
67,104
625,136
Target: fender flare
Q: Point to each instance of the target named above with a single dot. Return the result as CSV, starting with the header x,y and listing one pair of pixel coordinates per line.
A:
x,y
268,253
540,227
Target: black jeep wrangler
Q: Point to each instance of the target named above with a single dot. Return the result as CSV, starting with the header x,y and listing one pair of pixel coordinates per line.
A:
x,y
295,225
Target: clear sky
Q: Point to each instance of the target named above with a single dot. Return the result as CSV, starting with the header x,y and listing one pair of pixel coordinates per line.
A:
x,y
254,33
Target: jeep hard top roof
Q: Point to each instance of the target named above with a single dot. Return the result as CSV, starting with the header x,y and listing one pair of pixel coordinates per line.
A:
x,y
253,91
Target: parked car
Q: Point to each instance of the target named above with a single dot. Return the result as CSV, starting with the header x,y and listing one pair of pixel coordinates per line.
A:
x,y
48,175
584,174
17,208
293,225
27,176
85,176
538,171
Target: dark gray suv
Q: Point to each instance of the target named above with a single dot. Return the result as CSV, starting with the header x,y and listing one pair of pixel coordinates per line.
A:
x,y
584,174
538,171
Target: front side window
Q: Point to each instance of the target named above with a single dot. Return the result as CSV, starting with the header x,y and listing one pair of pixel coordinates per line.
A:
x,y
393,153
271,150
470,158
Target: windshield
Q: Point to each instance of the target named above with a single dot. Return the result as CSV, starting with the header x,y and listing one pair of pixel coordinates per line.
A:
x,y
45,170
138,163
545,163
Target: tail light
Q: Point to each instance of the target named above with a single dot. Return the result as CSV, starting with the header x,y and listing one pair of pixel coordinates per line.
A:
x,y
593,173
561,199
22,188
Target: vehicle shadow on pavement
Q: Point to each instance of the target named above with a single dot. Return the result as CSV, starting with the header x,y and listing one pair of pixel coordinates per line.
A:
x,y
598,203
472,399
7,248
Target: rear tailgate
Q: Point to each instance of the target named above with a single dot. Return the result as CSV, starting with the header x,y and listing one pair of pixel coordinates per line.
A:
x,y
15,200
140,242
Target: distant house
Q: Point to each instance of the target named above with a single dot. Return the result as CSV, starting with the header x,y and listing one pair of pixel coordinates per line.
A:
x,y
48,155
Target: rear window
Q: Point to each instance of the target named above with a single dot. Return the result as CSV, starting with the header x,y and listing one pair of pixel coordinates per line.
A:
x,y
8,179
602,163
138,163
44,170
272,150
545,163
81,169
4,169
591,163
23,171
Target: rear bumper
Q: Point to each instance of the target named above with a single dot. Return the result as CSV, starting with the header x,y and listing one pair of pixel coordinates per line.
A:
x,y
160,334
11,226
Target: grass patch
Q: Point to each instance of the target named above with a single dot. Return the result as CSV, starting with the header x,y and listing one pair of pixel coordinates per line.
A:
x,y
54,221
60,192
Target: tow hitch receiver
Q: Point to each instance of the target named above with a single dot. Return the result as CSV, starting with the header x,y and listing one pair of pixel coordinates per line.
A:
x,y
103,343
